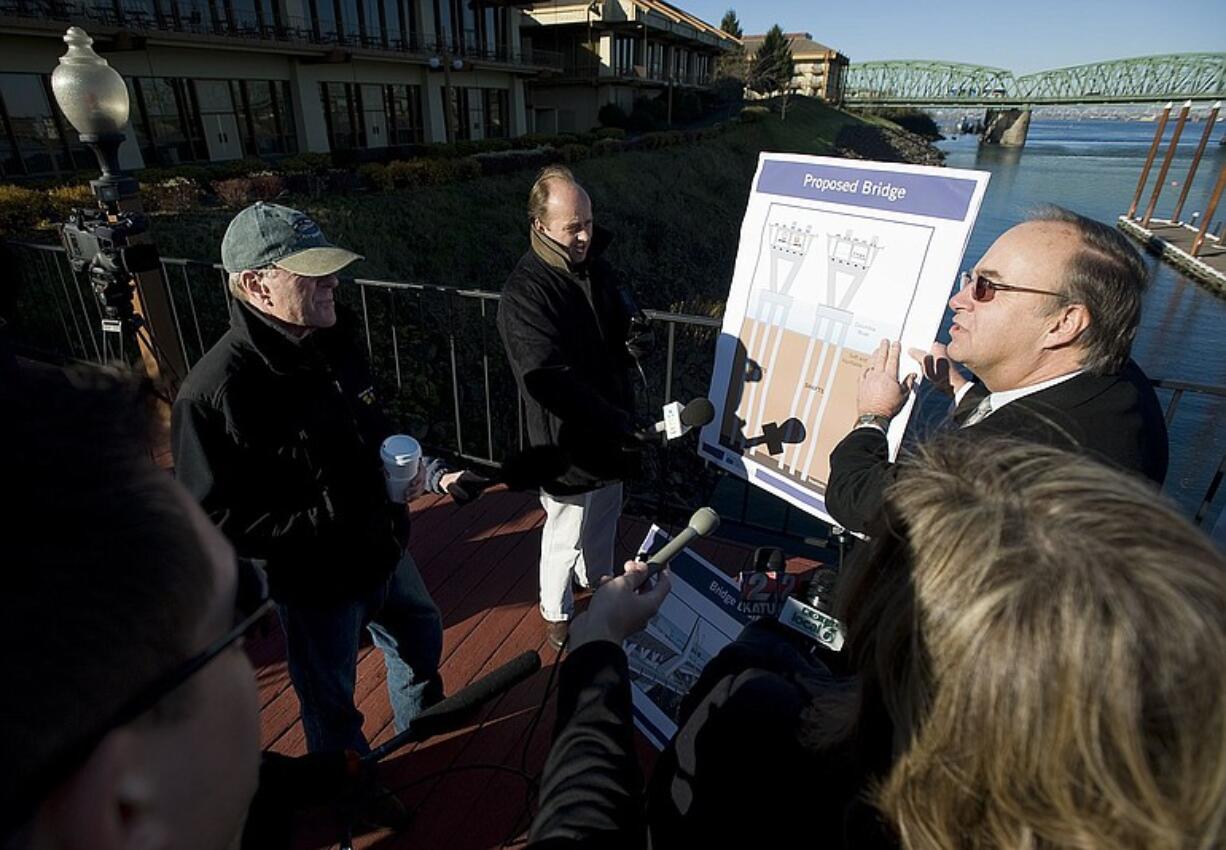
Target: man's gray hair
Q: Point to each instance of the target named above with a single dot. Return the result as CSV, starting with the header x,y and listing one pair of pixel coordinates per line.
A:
x,y
235,284
1108,276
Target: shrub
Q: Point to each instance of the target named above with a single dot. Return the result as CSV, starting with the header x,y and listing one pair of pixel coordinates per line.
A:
x,y
174,194
235,192
64,199
306,163
21,209
687,107
341,180
375,175
266,186
753,114
406,174
609,133
612,116
648,114
575,153
504,162
664,139
605,147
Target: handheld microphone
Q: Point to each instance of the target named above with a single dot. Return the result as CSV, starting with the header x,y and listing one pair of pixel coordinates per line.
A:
x,y
678,420
703,522
449,714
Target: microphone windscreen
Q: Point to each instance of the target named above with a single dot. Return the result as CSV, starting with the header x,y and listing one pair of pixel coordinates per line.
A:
x,y
533,467
697,413
704,521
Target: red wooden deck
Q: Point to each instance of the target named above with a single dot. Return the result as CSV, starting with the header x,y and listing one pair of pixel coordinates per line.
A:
x,y
479,563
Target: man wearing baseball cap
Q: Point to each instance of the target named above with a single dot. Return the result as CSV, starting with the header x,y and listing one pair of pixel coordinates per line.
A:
x,y
276,432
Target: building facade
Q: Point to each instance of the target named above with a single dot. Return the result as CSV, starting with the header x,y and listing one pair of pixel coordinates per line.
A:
x,y
819,71
213,80
614,51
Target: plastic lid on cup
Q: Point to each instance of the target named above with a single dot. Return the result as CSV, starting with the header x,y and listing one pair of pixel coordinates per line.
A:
x,y
400,450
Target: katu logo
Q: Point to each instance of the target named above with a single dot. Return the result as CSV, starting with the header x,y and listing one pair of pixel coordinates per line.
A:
x,y
305,226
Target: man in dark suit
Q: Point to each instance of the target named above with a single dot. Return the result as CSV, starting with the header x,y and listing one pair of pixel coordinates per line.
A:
x,y
1045,321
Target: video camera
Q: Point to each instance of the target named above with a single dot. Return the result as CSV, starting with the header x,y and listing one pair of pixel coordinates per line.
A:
x,y
98,244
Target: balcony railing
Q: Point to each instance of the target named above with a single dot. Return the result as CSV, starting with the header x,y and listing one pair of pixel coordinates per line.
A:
x,y
243,24
437,352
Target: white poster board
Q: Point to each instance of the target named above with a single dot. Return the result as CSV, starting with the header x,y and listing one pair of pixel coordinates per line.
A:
x,y
835,255
701,615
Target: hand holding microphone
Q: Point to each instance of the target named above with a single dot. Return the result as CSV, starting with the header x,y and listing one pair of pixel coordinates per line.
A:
x,y
678,420
618,609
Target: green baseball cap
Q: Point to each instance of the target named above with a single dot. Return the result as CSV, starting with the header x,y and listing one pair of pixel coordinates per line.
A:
x,y
273,235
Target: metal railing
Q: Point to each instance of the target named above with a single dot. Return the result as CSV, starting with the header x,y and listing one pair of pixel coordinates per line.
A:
x,y
437,353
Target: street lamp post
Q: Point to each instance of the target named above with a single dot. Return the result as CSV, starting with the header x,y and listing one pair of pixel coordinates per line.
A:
x,y
94,99
123,266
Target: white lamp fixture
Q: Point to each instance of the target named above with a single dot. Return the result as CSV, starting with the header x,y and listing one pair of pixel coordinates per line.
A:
x,y
94,99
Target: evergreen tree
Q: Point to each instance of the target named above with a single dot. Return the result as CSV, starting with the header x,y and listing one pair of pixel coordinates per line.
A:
x,y
731,25
731,63
772,68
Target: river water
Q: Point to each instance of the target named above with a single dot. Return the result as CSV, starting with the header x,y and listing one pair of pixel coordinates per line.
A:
x,y
1092,167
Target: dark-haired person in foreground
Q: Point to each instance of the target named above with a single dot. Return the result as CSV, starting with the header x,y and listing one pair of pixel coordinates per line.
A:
x,y
1038,646
1045,321
131,718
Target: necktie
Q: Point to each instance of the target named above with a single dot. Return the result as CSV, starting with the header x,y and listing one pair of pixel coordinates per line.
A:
x,y
980,413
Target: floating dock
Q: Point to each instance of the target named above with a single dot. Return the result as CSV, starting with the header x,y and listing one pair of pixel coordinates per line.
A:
x,y
1172,241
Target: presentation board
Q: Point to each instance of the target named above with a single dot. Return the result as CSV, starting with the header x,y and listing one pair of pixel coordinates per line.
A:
x,y
835,255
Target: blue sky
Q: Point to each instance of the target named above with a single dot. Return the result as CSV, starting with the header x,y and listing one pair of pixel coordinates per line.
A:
x,y
1021,37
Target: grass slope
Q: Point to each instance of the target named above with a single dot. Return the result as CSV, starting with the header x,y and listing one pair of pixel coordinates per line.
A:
x,y
675,214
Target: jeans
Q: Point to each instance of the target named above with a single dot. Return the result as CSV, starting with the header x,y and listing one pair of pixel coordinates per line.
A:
x,y
322,650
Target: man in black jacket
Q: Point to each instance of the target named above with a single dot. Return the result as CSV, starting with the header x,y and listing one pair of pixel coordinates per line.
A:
x,y
564,323
276,432
1046,322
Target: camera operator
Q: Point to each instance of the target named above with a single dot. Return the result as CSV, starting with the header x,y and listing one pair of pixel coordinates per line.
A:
x,y
1037,644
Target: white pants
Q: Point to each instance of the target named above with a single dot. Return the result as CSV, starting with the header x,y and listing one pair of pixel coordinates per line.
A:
x,y
578,539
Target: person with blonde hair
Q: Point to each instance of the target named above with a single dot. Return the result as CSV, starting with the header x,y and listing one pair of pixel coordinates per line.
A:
x,y
1036,646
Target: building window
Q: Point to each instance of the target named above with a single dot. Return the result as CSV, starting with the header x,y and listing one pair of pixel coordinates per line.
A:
x,y
497,113
625,54
655,60
32,131
404,125
270,117
456,109
323,16
342,113
167,120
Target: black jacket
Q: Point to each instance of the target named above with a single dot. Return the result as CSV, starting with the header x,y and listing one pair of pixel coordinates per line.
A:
x,y
592,788
565,333
1114,418
738,772
278,439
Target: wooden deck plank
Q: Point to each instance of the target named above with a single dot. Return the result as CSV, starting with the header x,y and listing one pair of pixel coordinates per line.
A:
x,y
480,565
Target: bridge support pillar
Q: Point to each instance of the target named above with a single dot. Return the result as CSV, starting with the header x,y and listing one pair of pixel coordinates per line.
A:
x,y
1006,127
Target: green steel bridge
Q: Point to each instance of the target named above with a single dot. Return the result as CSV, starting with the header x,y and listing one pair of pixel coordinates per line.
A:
x,y
1143,79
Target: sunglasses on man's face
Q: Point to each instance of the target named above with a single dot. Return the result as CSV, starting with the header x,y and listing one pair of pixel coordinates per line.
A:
x,y
251,604
984,290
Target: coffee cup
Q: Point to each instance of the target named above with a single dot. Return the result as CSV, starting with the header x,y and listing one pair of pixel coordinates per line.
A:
x,y
401,456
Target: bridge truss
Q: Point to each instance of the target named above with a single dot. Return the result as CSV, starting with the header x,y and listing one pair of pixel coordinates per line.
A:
x,y
1144,79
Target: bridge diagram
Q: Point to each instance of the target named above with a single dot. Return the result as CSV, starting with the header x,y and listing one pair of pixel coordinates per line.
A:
x,y
933,84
